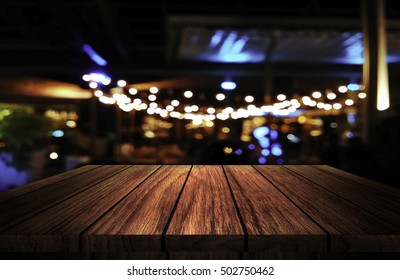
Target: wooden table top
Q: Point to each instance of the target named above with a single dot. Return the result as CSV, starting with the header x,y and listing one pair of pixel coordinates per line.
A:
x,y
184,208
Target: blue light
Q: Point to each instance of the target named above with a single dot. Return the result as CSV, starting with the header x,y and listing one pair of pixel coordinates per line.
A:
x,y
265,152
354,49
262,160
244,57
216,38
58,133
238,152
351,118
280,161
228,43
274,135
94,55
251,146
260,132
264,142
239,44
276,150
228,85
353,87
235,57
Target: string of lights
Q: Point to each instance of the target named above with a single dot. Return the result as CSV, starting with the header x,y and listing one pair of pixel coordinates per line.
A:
x,y
128,98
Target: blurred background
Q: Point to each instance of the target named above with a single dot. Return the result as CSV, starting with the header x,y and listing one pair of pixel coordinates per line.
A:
x,y
198,82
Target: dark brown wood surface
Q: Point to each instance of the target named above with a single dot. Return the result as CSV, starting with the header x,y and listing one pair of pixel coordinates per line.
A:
x,y
183,211
378,199
28,204
350,227
205,218
67,219
272,221
137,223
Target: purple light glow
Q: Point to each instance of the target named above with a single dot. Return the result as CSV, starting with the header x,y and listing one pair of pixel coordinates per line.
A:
x,y
262,160
9,176
94,55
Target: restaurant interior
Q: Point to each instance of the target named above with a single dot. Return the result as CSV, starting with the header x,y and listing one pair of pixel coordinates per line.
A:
x,y
198,82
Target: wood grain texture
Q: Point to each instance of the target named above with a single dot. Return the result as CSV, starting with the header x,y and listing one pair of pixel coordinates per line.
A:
x,y
360,183
10,194
272,221
71,217
205,218
137,223
378,199
31,203
350,227
204,211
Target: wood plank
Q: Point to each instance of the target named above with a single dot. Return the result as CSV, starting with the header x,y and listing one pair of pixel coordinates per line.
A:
x,y
137,223
29,204
377,199
350,228
205,218
58,228
272,221
10,194
361,182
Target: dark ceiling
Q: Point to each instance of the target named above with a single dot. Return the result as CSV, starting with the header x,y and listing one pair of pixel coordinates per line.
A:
x,y
150,40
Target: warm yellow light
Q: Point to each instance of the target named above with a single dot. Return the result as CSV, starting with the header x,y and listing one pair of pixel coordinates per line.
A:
x,y
153,105
331,96
249,98
188,94
342,89
302,119
53,155
149,134
211,110
316,94
383,99
226,129
133,91
312,103
98,93
153,90
362,95
281,97
349,102
71,124
121,83
209,123
175,114
245,138
228,150
220,96
337,106
315,133
174,103
152,97
317,122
